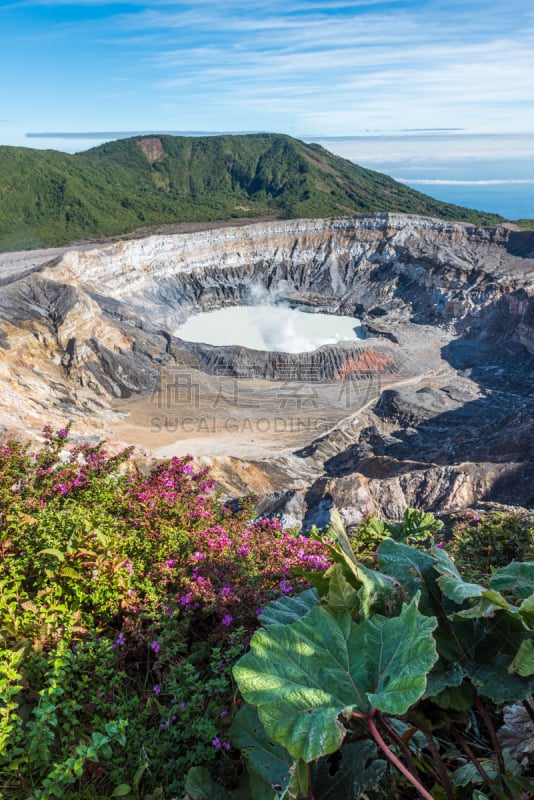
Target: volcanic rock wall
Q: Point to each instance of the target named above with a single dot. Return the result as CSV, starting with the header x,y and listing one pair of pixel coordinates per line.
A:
x,y
97,324
437,272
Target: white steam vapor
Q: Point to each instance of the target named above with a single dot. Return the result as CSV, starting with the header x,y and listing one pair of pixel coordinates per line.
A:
x,y
275,321
269,323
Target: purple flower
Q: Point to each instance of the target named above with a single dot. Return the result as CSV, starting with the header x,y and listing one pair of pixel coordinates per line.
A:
x,y
223,714
155,647
227,745
216,742
226,590
121,639
62,433
157,689
62,488
170,563
227,619
439,544
181,704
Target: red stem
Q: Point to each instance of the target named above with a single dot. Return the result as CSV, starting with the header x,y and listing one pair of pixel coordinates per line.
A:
x,y
394,760
440,766
400,743
469,752
491,730
494,740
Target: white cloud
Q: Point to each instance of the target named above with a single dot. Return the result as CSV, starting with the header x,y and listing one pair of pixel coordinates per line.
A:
x,y
316,66
444,182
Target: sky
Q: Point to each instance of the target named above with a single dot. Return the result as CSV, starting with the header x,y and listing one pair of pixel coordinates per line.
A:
x,y
403,77
303,67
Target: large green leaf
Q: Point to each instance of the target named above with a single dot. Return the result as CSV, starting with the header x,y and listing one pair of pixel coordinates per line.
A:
x,y
377,592
268,764
199,785
468,773
303,676
414,571
444,563
490,602
523,663
357,769
299,784
442,676
516,577
494,643
455,698
495,681
342,596
339,532
526,611
288,609
459,591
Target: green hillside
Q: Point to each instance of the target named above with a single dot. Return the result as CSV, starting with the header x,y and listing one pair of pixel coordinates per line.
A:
x,y
50,198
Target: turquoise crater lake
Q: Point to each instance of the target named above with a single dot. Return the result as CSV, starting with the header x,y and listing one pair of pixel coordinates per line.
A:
x,y
270,327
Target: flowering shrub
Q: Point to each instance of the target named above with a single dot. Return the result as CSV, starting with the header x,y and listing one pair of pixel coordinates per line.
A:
x,y
125,599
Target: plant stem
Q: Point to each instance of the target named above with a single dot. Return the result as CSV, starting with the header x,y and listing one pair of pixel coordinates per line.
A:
x,y
440,766
491,730
494,740
394,760
467,750
401,743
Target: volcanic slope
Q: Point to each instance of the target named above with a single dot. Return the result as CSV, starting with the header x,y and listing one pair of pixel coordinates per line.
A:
x,y
434,409
50,198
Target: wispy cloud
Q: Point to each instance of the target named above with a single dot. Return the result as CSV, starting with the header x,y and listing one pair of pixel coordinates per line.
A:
x,y
495,182
399,63
320,66
115,134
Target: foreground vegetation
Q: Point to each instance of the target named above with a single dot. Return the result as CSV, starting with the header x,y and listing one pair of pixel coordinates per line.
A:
x,y
50,198
155,642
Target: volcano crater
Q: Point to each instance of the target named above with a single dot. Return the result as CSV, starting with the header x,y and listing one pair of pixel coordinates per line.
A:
x,y
432,408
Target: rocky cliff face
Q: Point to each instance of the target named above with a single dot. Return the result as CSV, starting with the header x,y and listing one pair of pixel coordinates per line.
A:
x,y
442,413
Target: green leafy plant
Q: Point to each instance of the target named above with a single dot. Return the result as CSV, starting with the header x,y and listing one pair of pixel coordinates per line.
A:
x,y
480,545
416,527
412,663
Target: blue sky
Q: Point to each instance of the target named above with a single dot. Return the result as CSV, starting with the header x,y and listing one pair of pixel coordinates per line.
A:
x,y
310,68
